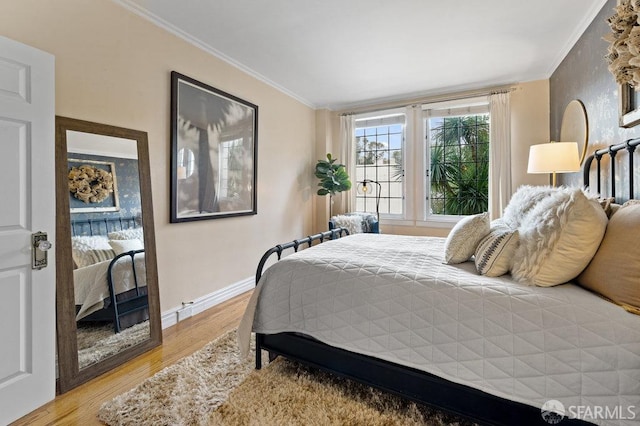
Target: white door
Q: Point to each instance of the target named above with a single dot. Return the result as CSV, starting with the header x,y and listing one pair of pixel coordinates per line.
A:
x,y
27,205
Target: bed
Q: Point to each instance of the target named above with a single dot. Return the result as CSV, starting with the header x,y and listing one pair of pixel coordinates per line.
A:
x,y
109,271
385,310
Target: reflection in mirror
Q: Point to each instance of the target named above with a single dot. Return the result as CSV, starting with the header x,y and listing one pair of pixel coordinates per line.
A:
x,y
107,304
186,163
106,219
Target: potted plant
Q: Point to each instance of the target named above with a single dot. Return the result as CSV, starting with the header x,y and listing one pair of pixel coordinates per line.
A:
x,y
333,178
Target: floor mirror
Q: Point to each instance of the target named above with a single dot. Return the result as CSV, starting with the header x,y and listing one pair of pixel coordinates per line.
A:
x,y
107,298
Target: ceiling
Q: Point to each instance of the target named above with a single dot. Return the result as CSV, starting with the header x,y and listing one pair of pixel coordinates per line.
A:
x,y
339,54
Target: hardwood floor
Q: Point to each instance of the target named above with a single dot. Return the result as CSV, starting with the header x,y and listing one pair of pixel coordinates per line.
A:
x,y
80,405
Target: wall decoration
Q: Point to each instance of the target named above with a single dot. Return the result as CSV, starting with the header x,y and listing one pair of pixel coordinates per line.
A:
x,y
92,186
575,127
214,139
624,58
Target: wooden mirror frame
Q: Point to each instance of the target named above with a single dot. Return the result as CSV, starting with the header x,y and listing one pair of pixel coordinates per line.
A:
x,y
69,373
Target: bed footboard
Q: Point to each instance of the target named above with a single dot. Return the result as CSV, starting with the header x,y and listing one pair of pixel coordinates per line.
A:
x,y
137,302
295,245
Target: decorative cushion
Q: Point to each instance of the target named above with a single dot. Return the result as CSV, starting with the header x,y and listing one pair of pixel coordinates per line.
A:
x,y
124,246
614,271
522,202
606,203
127,234
613,208
465,237
97,256
558,237
353,223
494,254
83,247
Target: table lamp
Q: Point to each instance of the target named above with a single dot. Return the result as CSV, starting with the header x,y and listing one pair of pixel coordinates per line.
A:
x,y
554,157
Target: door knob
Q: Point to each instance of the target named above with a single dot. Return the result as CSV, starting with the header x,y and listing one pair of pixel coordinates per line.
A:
x,y
44,245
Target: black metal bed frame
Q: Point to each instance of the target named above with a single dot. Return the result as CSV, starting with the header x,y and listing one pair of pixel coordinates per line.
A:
x,y
630,146
103,225
134,300
407,382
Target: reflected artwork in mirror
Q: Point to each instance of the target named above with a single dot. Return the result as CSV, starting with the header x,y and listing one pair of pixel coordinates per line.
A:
x,y
107,290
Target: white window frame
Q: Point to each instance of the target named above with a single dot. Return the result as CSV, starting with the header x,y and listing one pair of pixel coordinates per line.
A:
x,y
416,161
381,118
456,108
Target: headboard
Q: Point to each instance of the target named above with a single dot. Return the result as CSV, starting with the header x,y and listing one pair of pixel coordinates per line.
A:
x,y
103,226
630,146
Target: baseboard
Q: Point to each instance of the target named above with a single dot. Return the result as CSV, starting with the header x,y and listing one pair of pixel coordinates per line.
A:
x,y
205,302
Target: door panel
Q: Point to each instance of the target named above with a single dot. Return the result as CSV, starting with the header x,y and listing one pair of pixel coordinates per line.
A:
x,y
15,362
27,296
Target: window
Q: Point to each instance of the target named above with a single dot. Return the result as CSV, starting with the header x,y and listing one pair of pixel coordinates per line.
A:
x,y
230,168
431,160
457,138
379,158
458,174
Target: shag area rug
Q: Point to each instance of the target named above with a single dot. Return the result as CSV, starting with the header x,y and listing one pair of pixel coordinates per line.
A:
x,y
97,342
215,387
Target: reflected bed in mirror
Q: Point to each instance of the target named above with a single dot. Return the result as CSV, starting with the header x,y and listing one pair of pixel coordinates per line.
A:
x,y
107,290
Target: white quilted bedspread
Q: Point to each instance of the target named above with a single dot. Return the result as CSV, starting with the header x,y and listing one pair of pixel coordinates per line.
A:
x,y
392,297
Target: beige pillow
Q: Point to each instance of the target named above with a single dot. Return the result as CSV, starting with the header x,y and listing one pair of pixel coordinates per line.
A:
x,y
83,258
614,271
558,238
464,238
606,205
124,246
495,252
87,250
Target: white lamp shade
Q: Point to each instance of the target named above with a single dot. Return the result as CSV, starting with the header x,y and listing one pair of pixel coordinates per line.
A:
x,y
558,157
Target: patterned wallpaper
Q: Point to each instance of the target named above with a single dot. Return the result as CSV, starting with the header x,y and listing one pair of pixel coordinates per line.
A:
x,y
128,183
583,75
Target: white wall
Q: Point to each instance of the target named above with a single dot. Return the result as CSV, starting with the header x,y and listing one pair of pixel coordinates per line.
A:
x,y
113,67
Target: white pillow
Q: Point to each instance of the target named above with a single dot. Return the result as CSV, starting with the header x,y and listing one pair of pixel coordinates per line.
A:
x,y
127,234
522,202
353,223
558,238
87,250
495,253
96,242
464,238
124,246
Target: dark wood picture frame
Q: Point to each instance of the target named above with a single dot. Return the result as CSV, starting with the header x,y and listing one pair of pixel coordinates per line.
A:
x,y
214,137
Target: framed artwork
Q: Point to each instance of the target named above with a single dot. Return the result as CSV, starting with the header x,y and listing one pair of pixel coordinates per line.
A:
x,y
214,138
629,106
93,186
